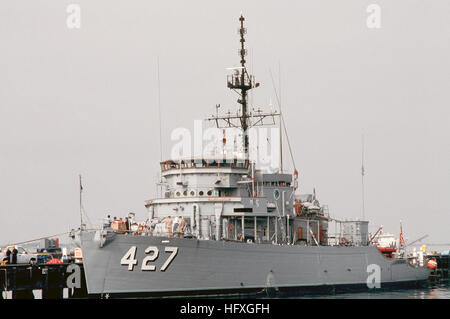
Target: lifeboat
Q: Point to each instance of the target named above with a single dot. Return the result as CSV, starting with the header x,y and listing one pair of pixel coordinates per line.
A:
x,y
387,250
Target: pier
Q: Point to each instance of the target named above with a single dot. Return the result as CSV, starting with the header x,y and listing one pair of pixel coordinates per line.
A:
x,y
54,281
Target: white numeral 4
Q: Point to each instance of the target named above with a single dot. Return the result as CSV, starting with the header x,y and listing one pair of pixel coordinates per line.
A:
x,y
129,258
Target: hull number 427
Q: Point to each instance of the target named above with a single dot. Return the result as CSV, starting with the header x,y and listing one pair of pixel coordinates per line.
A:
x,y
129,259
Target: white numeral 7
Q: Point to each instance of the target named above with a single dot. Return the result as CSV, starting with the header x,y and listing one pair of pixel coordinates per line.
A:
x,y
174,251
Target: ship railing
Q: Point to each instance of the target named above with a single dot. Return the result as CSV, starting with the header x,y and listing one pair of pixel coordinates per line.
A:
x,y
204,197
152,230
204,163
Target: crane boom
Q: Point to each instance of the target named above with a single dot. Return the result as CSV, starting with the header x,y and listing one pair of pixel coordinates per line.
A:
x,y
415,241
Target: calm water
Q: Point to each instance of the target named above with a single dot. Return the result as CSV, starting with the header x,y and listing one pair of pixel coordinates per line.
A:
x,y
435,291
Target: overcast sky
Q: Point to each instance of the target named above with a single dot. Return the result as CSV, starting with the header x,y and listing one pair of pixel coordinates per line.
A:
x,y
85,101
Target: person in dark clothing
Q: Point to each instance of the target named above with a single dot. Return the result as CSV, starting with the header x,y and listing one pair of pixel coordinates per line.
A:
x,y
127,224
14,255
8,256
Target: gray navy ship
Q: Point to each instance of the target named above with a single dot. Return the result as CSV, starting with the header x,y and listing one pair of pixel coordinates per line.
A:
x,y
241,230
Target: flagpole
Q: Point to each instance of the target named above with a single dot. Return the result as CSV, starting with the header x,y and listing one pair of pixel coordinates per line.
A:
x,y
362,176
81,215
400,241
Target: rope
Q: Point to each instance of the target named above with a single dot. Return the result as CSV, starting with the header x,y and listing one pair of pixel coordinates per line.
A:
x,y
282,121
36,239
60,234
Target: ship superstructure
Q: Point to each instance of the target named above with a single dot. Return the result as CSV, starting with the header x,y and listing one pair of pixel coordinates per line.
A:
x,y
227,197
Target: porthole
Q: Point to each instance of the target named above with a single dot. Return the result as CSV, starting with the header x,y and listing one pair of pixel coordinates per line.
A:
x,y
192,193
209,193
185,193
200,193
178,193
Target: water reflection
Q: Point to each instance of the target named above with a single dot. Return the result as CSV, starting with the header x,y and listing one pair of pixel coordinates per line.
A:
x,y
431,291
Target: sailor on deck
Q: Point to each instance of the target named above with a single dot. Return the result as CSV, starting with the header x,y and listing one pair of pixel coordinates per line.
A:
x,y
107,222
181,224
168,223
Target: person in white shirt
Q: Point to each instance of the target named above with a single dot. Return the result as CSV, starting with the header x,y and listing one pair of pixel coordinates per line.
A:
x,y
107,222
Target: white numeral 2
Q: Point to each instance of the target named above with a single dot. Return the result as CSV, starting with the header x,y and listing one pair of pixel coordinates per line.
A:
x,y
153,257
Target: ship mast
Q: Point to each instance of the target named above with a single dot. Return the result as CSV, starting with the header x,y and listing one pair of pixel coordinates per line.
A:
x,y
242,82
242,85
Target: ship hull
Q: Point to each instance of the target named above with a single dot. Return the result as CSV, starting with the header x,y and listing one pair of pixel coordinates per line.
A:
x,y
187,266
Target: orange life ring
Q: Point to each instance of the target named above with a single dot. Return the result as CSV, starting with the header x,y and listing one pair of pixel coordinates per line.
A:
x,y
432,264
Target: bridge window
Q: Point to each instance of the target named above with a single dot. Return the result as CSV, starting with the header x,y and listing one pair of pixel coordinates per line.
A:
x,y
243,210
